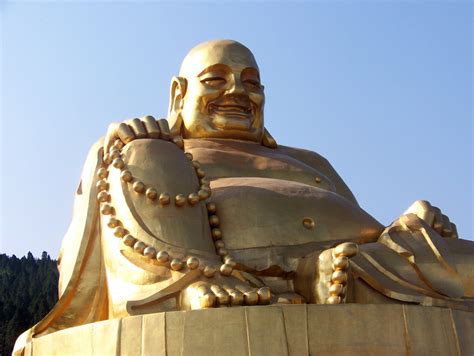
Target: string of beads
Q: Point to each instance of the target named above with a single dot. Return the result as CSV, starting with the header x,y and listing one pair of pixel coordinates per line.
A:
x,y
162,257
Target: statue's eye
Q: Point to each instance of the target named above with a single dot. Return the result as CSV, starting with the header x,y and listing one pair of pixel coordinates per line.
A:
x,y
253,84
215,82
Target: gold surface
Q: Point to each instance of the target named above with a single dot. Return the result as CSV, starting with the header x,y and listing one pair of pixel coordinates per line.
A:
x,y
350,329
204,210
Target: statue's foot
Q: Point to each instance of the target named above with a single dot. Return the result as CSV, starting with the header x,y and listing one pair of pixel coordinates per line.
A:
x,y
333,273
223,292
433,216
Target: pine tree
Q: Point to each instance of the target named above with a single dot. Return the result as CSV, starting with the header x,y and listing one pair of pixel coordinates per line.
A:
x,y
28,291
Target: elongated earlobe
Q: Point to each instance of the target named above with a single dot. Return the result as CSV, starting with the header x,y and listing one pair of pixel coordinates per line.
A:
x,y
268,140
177,93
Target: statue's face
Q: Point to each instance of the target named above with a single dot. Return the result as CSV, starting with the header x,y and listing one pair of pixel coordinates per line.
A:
x,y
224,97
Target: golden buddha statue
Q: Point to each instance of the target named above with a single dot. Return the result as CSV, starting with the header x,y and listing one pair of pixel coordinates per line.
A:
x,y
205,210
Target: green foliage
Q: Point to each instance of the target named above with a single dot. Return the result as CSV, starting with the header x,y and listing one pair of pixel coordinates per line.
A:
x,y
28,291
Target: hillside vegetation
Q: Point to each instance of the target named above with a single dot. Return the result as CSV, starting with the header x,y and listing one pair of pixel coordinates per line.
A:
x,y
28,291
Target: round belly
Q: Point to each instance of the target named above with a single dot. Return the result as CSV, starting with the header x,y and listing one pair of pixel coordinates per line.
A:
x,y
264,212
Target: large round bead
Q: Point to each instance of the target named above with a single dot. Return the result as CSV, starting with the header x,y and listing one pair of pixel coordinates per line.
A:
x,y
103,196
151,193
126,176
102,173
214,220
176,264
164,199
226,269
114,153
129,240
200,173
149,252
192,262
138,186
106,209
211,208
203,194
119,231
193,199
162,256
102,185
180,200
118,163
209,271
112,222
139,246
216,233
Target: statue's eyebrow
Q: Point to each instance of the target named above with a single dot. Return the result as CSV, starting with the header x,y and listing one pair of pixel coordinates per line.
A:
x,y
213,67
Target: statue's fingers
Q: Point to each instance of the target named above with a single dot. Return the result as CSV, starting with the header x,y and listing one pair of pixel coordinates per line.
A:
x,y
125,133
264,295
454,234
447,230
236,297
164,128
138,128
178,141
438,220
151,126
222,296
110,136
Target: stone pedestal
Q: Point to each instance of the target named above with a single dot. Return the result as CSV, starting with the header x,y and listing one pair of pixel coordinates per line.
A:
x,y
350,329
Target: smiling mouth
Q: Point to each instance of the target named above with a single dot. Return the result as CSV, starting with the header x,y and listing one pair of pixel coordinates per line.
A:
x,y
231,116
231,110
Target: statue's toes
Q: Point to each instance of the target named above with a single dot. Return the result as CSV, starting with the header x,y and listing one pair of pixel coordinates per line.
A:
x,y
223,298
251,297
347,249
264,295
340,271
250,294
236,297
207,301
206,298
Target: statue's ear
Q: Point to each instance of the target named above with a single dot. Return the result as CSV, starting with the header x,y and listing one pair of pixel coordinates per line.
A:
x,y
177,93
268,140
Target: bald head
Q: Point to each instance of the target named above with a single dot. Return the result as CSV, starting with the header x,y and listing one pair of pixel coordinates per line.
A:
x,y
218,93
206,54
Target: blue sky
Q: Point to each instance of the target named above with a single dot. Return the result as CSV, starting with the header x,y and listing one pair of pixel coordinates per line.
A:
x,y
381,89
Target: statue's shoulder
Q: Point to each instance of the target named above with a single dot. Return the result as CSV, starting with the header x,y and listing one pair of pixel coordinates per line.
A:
x,y
307,156
322,164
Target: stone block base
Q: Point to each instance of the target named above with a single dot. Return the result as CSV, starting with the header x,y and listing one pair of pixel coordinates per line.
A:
x,y
350,329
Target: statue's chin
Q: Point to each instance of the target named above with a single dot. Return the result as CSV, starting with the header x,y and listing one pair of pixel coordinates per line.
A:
x,y
232,122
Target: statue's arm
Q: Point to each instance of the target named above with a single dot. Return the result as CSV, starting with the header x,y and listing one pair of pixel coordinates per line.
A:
x,y
154,216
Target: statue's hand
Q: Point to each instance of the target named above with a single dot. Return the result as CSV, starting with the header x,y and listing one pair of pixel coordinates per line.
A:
x,y
333,273
433,217
223,291
121,133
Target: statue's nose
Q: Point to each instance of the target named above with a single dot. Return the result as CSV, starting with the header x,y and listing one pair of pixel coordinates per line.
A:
x,y
236,86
